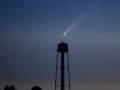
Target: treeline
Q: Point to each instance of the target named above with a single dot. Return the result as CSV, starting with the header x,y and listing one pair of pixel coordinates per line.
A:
x,y
13,88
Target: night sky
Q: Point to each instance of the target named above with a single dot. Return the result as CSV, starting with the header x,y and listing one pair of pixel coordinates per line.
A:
x,y
31,29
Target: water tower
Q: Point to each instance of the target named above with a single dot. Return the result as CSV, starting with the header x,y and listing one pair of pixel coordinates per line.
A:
x,y
62,77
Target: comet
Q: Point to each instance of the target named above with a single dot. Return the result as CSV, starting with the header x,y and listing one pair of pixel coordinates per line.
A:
x,y
64,34
80,18
73,25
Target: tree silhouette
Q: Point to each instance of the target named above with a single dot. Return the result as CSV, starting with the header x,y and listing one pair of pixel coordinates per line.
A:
x,y
9,87
36,88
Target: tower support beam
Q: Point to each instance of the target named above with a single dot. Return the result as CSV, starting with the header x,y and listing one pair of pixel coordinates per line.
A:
x,y
62,72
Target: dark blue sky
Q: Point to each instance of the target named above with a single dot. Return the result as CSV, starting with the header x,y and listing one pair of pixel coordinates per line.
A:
x,y
31,29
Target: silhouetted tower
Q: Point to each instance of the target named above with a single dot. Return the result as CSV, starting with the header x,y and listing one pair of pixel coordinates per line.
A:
x,y
62,65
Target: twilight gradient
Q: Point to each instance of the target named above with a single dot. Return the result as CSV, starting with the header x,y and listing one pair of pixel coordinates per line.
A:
x,y
31,29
